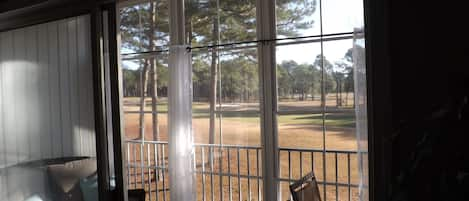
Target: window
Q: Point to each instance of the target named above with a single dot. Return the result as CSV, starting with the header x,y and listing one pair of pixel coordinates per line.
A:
x,y
316,113
319,85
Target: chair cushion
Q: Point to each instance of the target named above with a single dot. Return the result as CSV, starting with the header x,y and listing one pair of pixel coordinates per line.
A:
x,y
68,174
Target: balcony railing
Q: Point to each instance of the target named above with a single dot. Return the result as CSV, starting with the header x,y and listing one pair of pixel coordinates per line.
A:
x,y
234,172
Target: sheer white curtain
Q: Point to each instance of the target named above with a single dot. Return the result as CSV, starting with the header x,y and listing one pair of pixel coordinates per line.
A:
x,y
361,111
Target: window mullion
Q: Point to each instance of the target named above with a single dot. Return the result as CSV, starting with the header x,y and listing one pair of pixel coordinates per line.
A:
x,y
181,169
266,31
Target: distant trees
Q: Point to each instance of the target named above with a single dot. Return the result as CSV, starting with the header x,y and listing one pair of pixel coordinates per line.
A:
x,y
298,81
303,81
143,28
216,22
229,76
131,81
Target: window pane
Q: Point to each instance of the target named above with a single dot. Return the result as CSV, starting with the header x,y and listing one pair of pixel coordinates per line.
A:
x,y
340,104
339,16
202,83
312,132
340,130
150,110
341,166
239,97
144,27
234,82
201,122
233,136
339,81
297,18
299,78
239,80
341,115
220,21
300,130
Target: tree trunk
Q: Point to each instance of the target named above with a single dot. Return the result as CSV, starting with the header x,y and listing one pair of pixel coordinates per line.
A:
x,y
337,96
312,91
337,103
153,75
143,93
245,96
154,100
340,92
346,97
213,83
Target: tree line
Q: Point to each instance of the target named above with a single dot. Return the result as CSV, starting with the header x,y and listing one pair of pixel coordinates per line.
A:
x,y
307,81
230,76
240,79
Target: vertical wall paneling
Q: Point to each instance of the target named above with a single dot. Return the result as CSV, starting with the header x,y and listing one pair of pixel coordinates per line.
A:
x,y
18,93
26,62
2,140
86,88
82,92
8,137
5,54
64,77
74,86
2,136
9,133
46,92
32,108
54,74
88,80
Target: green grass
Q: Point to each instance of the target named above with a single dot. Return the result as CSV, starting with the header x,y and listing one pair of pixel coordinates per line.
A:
x,y
162,107
200,110
332,119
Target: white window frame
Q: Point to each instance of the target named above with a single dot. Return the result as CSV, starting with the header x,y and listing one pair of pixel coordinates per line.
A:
x,y
266,47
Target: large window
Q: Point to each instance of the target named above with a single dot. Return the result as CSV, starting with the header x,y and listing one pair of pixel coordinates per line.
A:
x,y
316,118
316,50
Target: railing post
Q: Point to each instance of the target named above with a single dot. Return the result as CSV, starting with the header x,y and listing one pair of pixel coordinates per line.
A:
x,y
181,150
266,32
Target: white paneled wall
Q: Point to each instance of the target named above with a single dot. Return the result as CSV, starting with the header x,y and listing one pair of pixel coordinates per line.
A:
x,y
46,92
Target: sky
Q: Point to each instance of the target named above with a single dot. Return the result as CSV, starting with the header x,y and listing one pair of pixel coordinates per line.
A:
x,y
338,16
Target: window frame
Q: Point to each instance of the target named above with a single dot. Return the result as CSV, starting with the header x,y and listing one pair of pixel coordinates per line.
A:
x,y
378,93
